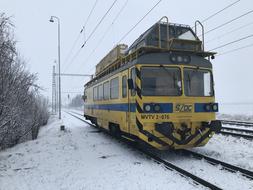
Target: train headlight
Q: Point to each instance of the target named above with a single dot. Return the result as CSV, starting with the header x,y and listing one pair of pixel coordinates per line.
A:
x,y
173,58
208,107
157,108
215,107
179,58
147,108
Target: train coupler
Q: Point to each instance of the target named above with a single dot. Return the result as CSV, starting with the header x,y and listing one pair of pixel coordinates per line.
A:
x,y
214,125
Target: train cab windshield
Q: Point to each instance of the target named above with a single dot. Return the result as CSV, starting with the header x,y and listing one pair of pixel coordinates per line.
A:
x,y
166,81
198,82
161,81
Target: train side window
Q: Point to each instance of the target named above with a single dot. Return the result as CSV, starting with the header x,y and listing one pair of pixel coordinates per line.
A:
x,y
106,90
133,76
114,88
100,92
124,86
95,93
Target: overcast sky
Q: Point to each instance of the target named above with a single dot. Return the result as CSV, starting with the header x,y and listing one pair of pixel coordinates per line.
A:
x,y
37,37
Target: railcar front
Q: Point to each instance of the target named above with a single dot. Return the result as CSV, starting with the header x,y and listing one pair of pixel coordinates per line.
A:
x,y
175,103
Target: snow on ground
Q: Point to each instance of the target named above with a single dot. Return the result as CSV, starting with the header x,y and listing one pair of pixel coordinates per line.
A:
x,y
81,158
242,109
214,174
234,150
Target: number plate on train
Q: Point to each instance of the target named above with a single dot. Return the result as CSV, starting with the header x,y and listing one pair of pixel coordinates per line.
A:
x,y
155,116
183,108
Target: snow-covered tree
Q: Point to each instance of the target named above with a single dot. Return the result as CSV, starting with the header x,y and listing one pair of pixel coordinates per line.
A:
x,y
22,109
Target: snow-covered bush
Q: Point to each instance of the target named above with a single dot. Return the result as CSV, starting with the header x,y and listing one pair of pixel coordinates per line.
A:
x,y
22,109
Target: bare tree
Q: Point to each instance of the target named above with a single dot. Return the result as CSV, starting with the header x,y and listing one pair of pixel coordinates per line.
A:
x,y
22,109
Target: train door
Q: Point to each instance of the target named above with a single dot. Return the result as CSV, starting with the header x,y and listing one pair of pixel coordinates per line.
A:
x,y
131,103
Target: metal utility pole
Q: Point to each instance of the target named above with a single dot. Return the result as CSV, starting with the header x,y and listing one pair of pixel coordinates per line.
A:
x,y
59,60
57,92
53,92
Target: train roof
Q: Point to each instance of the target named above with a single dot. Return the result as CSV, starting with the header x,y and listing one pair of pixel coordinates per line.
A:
x,y
163,43
159,58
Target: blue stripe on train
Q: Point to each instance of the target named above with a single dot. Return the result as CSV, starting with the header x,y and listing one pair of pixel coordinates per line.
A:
x,y
113,107
200,107
165,107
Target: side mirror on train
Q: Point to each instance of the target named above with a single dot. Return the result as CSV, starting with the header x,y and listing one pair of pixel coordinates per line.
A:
x,y
130,84
84,97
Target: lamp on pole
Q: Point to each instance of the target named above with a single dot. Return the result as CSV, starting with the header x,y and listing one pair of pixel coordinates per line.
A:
x,y
52,19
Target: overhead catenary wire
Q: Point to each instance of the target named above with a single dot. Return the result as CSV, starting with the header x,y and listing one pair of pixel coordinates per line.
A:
x,y
232,31
228,22
93,31
234,50
101,20
79,34
127,33
92,9
152,8
229,43
216,13
106,32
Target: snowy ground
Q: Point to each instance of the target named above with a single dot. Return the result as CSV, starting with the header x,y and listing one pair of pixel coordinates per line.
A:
x,y
243,109
81,159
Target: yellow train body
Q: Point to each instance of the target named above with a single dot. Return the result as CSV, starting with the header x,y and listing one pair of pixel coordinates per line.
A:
x,y
122,111
160,93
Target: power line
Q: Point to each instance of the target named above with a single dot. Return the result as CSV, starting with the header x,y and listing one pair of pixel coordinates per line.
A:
x,y
94,5
230,5
236,29
73,58
233,50
229,22
79,34
101,20
106,32
246,37
139,22
136,24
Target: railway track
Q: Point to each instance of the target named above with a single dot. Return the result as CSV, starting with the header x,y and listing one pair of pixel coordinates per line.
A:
x,y
237,132
171,166
224,165
238,123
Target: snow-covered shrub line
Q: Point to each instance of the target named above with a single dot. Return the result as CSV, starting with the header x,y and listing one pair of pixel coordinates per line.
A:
x,y
22,109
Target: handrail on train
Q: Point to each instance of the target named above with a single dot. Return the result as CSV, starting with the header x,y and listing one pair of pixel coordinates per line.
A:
x,y
203,33
159,31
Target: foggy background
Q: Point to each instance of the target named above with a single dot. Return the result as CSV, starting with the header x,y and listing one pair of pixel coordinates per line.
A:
x,y
37,38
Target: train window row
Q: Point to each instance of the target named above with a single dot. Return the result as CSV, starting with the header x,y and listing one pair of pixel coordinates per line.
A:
x,y
110,89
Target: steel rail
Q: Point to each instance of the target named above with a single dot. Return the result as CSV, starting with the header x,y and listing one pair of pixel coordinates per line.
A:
x,y
237,129
167,164
234,122
213,161
236,134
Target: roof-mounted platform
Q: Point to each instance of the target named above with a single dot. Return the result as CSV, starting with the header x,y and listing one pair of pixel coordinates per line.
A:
x,y
161,37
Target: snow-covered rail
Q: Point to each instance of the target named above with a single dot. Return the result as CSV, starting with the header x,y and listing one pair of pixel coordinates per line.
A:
x,y
238,123
224,165
159,160
237,132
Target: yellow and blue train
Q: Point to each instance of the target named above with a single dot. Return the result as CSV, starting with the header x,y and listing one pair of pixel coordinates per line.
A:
x,y
161,91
